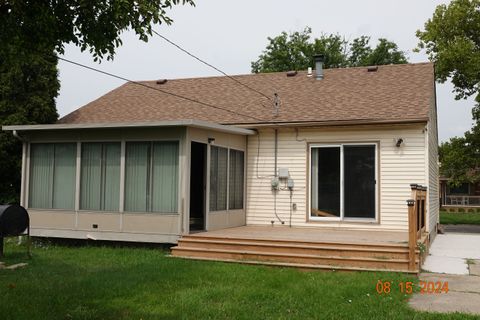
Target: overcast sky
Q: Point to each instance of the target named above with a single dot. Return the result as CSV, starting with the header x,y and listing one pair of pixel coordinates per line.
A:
x,y
231,34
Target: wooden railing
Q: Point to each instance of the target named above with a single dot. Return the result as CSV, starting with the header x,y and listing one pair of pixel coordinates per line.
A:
x,y
416,220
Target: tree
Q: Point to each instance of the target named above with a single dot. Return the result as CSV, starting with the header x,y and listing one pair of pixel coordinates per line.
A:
x,y
27,96
458,161
31,34
295,51
451,39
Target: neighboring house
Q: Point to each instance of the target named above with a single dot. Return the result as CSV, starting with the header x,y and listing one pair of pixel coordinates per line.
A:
x,y
141,165
463,195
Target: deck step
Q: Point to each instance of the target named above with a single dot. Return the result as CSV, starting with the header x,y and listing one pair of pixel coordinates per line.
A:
x,y
333,261
318,249
296,265
300,242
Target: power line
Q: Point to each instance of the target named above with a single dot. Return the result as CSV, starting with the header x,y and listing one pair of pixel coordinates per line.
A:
x,y
210,65
157,89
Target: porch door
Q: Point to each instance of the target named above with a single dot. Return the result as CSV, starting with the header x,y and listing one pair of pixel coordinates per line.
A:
x,y
198,165
343,181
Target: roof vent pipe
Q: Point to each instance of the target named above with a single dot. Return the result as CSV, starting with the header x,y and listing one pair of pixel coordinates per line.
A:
x,y
318,58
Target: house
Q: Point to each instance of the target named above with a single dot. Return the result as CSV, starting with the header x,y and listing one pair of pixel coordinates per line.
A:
x,y
464,195
328,155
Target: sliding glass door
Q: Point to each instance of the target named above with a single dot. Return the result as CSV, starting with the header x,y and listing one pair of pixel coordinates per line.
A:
x,y
343,181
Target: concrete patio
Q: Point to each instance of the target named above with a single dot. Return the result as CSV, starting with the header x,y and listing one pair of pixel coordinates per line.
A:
x,y
450,252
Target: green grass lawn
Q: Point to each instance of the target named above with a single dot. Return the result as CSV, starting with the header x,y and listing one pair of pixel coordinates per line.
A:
x,y
93,282
459,217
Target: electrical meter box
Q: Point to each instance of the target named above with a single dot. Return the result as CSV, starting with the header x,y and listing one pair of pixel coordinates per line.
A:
x,y
283,173
290,183
275,183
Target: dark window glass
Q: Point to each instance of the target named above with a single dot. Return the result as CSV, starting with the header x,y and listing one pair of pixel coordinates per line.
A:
x,y
325,182
359,181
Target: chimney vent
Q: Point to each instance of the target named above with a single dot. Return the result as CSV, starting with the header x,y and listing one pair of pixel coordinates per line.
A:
x,y
318,58
309,72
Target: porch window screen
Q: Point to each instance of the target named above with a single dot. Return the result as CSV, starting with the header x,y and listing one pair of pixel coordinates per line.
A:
x,y
218,178
52,175
100,176
235,191
461,189
151,177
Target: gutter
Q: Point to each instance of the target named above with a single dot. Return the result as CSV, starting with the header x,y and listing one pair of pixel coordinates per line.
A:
x,y
335,123
121,125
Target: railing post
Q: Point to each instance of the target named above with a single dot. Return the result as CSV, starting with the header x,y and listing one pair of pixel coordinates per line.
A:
x,y
412,234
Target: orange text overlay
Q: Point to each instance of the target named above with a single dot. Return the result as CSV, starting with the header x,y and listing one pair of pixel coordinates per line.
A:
x,y
426,287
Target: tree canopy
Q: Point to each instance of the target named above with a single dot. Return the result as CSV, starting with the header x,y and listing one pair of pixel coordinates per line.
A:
x,y
294,51
451,38
95,26
31,34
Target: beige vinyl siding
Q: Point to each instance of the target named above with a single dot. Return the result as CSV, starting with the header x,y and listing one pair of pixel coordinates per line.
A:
x,y
433,172
398,168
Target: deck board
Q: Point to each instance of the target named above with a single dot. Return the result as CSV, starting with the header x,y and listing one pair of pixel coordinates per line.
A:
x,y
309,235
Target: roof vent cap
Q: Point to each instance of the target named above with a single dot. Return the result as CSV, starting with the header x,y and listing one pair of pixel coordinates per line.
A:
x,y
319,59
372,69
291,73
162,81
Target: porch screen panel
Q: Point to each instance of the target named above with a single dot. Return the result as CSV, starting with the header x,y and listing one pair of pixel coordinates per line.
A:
x,y
52,176
218,178
111,179
463,189
151,177
100,176
359,181
137,167
64,176
325,191
41,175
236,186
165,177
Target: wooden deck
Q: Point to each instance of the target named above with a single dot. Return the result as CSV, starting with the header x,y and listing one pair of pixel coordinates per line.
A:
x,y
311,248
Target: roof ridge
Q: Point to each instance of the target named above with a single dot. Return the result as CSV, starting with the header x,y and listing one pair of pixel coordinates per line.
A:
x,y
284,72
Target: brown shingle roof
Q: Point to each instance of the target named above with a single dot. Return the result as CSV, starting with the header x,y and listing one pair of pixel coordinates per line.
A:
x,y
393,93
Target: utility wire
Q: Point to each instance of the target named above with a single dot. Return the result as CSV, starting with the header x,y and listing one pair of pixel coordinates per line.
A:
x,y
210,65
157,89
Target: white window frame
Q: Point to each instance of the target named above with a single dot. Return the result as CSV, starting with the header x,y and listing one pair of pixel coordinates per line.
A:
x,y
342,180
